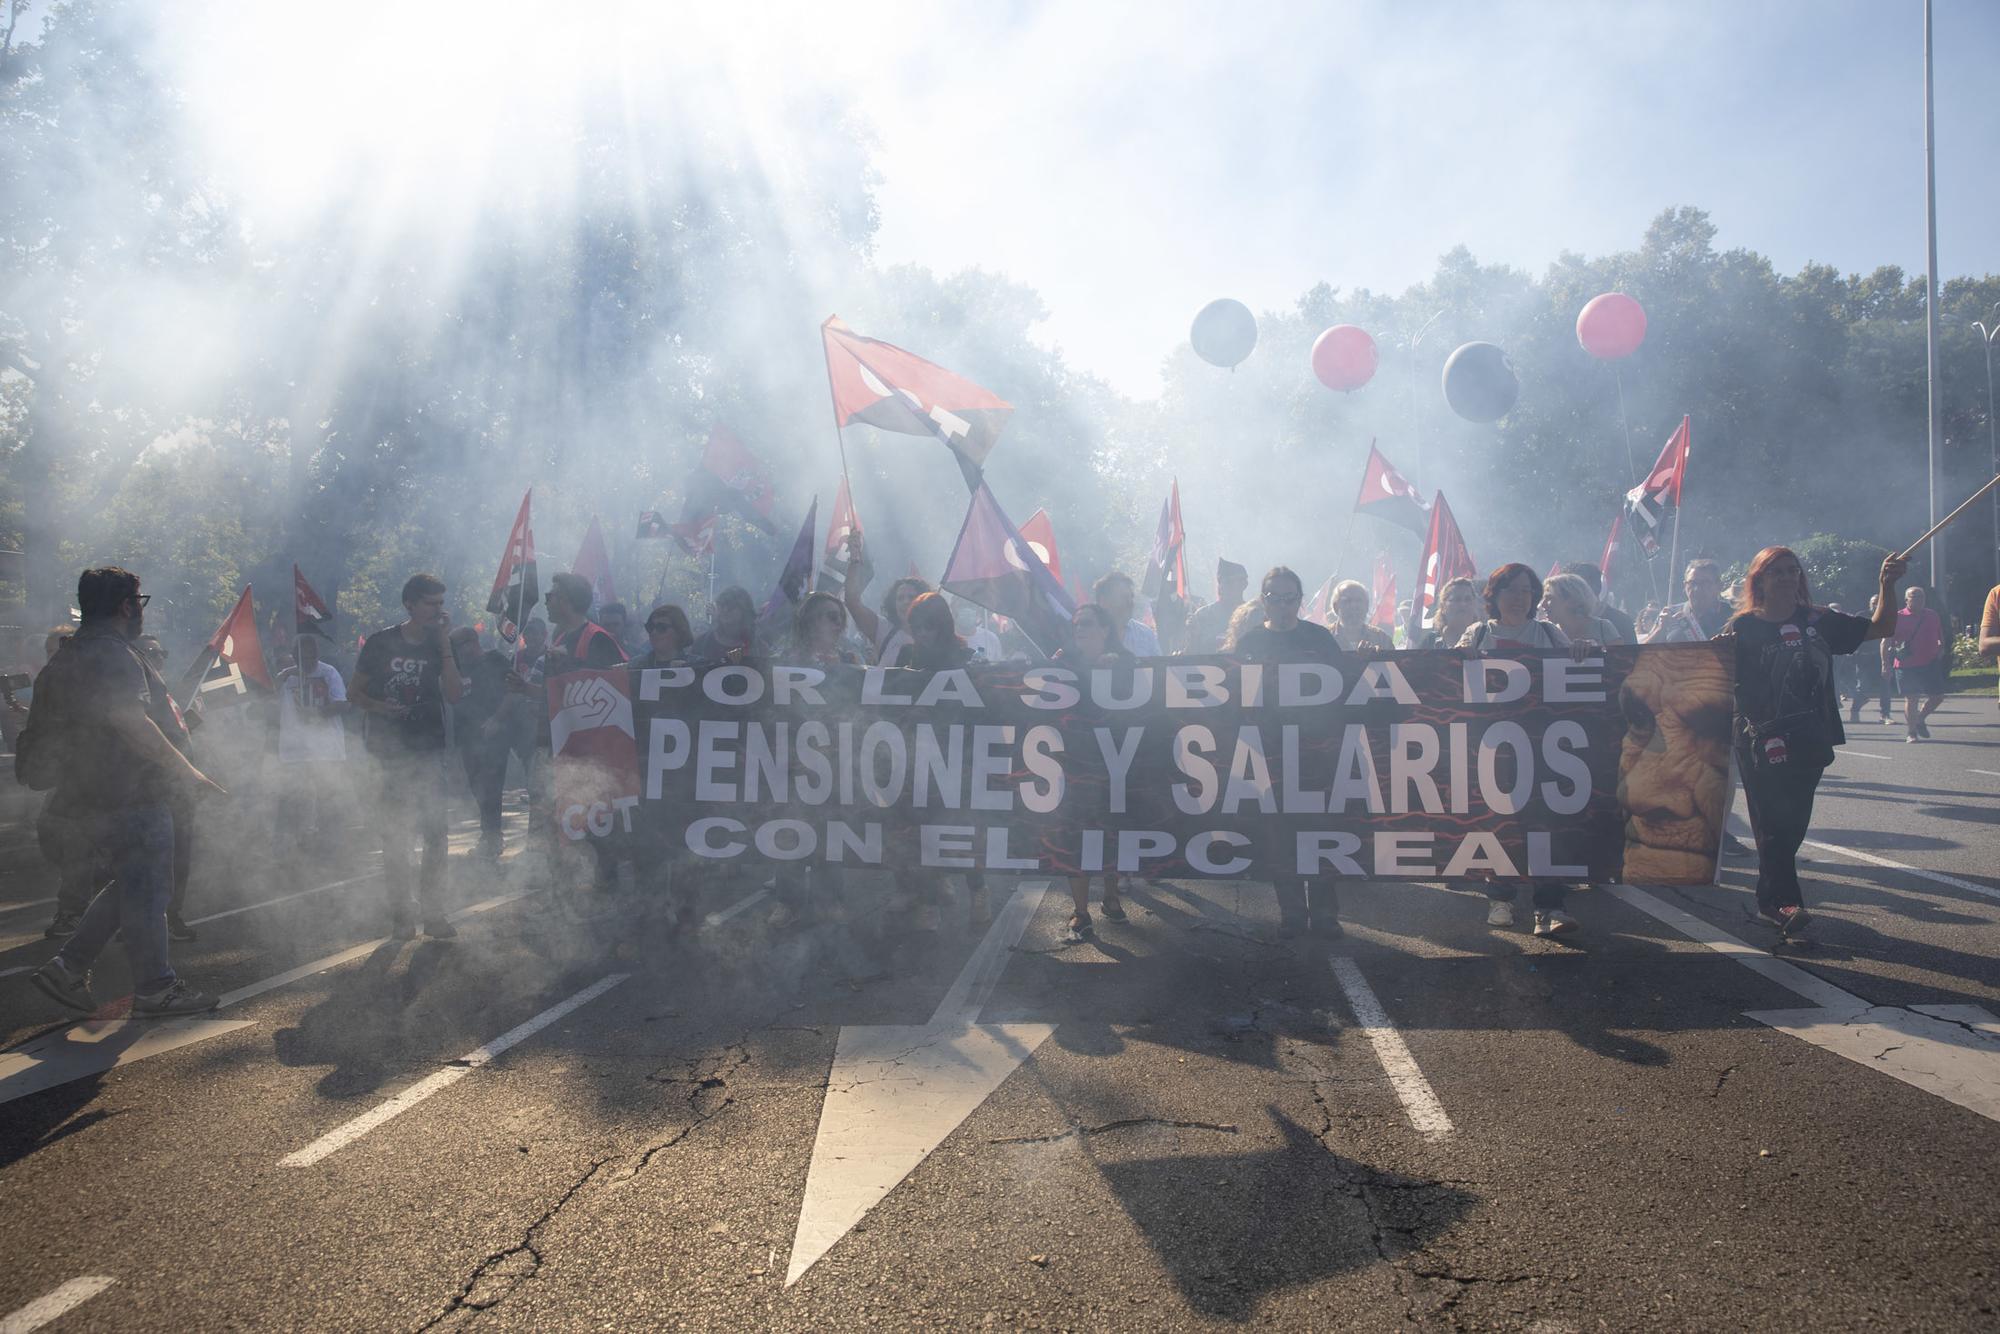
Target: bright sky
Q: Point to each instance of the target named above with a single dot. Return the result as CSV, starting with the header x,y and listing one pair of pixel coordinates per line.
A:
x,y
1133,161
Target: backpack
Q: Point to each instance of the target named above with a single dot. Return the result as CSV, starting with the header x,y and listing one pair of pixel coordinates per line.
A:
x,y
38,750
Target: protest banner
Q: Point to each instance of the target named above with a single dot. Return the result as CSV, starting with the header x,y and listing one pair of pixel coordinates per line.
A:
x,y
1421,766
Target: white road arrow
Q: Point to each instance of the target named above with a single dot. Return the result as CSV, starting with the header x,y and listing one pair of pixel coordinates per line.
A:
x,y
895,1092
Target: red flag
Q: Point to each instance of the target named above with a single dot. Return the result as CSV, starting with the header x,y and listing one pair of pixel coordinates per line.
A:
x,y
992,566
1611,545
1166,569
1384,595
652,526
1389,495
730,478
517,587
309,611
593,562
1040,534
843,524
1320,609
1654,500
234,658
1445,558
881,385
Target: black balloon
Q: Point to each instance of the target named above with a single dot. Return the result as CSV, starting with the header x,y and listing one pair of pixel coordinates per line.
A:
x,y
1224,332
1479,382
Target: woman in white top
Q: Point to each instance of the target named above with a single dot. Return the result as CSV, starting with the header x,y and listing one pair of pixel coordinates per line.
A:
x,y
1512,593
1350,620
1568,602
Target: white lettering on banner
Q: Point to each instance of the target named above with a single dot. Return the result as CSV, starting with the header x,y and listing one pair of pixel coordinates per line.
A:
x,y
936,767
950,687
1317,849
874,688
700,844
816,785
655,681
1039,751
1542,863
1136,844
1413,749
1480,852
666,748
1566,680
799,685
1249,775
1192,747
992,759
1185,679
1505,800
749,682
1104,693
1382,680
953,855
1563,744
1306,685
1479,675
997,858
1118,757
1393,851
1050,688
710,760
1198,853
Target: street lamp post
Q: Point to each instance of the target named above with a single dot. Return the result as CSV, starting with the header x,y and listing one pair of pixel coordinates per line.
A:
x,y
1988,333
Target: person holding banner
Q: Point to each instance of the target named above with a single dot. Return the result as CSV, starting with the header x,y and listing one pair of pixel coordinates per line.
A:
x,y
1569,605
1512,593
819,629
1208,625
1458,608
1351,629
1787,712
935,646
1268,629
1094,642
1704,613
1116,593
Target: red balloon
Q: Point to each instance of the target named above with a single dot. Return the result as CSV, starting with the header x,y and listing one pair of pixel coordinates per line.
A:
x,y
1344,358
1611,326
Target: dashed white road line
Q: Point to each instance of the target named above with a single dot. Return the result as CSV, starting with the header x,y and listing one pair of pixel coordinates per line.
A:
x,y
53,1305
39,903
1861,754
1938,877
1984,773
743,904
342,1136
1419,1100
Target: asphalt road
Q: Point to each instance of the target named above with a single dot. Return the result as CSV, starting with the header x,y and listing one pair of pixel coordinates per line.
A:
x,y
557,1121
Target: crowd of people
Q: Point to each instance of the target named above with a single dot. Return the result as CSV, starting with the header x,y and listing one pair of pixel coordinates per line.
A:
x,y
116,751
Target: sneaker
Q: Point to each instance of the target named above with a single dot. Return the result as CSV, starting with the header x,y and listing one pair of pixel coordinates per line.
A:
x,y
62,927
783,917
1923,729
1080,929
1911,739
64,985
1736,849
177,997
177,927
1554,923
1790,920
1499,912
440,928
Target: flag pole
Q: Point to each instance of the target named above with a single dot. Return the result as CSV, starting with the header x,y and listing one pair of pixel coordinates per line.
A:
x,y
1941,524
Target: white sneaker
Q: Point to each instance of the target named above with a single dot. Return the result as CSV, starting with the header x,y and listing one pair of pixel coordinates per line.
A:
x,y
1554,924
1499,912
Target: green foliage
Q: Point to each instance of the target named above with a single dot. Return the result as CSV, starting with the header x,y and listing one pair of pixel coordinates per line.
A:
x,y
1841,570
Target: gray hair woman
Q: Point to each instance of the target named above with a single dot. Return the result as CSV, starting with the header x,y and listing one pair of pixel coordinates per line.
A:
x,y
1568,602
1350,619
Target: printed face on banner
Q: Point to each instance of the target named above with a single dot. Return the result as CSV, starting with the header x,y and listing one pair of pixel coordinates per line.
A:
x,y
1673,769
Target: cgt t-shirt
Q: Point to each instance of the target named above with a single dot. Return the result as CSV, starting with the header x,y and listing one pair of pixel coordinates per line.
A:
x,y
1784,677
406,674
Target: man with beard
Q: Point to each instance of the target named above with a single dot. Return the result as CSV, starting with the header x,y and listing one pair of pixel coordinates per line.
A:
x,y
120,774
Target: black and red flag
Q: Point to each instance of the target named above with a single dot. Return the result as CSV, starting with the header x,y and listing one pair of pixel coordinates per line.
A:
x,y
879,384
653,527
232,662
517,587
593,562
1390,496
1166,568
309,610
730,479
994,566
1650,504
1446,558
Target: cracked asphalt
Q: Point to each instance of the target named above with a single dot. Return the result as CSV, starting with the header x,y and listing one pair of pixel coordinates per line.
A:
x,y
1206,1140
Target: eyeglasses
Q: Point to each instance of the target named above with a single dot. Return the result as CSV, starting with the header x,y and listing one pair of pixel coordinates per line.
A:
x,y
142,598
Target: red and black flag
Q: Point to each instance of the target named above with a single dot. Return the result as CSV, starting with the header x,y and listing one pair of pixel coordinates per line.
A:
x,y
517,587
1384,595
730,480
653,527
845,523
309,610
1650,504
795,580
593,562
993,566
232,663
879,384
1390,496
1446,558
1166,568
1040,535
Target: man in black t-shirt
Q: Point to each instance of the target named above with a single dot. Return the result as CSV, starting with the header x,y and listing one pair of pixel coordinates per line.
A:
x,y
402,682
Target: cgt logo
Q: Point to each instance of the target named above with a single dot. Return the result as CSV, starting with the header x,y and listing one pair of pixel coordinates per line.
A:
x,y
588,703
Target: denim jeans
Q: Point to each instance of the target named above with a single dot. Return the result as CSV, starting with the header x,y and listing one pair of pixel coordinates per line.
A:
x,y
138,847
413,812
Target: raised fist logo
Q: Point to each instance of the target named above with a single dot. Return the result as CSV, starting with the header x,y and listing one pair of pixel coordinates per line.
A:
x,y
589,702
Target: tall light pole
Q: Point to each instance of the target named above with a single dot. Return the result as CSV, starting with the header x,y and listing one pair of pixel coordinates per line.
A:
x,y
1931,310
1989,334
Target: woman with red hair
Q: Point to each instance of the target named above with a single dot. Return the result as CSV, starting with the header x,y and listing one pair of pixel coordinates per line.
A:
x,y
1788,711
